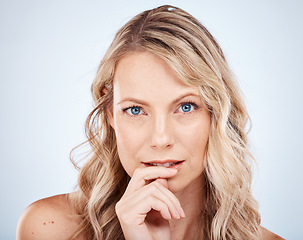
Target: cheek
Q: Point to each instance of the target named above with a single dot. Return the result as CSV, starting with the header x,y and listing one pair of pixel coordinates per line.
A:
x,y
128,145
195,138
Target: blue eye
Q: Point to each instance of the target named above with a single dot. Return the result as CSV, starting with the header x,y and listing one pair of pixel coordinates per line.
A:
x,y
186,107
134,110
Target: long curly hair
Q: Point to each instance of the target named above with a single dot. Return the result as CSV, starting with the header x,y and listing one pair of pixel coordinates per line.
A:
x,y
175,36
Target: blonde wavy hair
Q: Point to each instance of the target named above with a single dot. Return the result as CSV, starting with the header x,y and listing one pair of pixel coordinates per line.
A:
x,y
191,51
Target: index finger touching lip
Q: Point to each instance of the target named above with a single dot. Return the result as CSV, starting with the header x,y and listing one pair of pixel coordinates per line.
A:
x,y
142,175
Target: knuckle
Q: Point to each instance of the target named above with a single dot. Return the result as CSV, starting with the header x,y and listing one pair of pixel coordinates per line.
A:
x,y
117,206
137,172
122,215
154,186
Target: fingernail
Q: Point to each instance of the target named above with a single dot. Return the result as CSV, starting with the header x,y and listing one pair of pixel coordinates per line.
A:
x,y
177,215
182,214
172,169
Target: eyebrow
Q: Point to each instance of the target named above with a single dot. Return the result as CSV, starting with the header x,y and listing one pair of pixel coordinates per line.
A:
x,y
142,102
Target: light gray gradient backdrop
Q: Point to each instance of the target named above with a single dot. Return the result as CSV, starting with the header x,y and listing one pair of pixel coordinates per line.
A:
x,y
49,52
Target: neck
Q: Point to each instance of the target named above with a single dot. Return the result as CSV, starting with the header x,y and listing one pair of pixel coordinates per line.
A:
x,y
192,200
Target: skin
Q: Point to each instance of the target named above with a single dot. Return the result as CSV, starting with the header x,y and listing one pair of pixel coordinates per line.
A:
x,y
160,202
48,218
156,117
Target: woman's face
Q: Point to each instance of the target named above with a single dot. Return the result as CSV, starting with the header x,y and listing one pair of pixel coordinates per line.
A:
x,y
158,120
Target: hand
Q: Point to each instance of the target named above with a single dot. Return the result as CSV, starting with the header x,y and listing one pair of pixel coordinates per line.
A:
x,y
147,205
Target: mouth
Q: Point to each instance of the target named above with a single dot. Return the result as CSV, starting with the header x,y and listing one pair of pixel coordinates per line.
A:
x,y
168,164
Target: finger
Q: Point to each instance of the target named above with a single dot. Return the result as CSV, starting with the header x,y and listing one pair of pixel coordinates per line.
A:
x,y
163,187
158,191
161,207
142,175
168,197
162,181
134,210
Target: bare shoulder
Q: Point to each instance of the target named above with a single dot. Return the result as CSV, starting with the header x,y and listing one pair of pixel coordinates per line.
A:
x,y
268,235
49,218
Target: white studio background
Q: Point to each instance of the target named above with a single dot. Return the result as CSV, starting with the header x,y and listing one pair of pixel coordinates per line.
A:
x,y
49,52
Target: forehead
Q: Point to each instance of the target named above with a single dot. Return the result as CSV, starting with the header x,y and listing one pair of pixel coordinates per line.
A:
x,y
143,73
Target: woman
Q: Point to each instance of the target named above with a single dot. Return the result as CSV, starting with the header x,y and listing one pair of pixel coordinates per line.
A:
x,y
168,157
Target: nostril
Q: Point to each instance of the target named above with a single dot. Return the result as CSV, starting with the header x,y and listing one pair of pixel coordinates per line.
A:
x,y
161,146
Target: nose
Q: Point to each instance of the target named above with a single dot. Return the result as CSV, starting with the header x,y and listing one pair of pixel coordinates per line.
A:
x,y
162,135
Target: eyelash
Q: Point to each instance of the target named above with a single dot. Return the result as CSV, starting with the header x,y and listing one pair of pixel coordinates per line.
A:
x,y
133,106
180,105
189,103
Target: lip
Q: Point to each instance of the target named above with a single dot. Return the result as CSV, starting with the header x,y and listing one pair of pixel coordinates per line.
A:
x,y
177,163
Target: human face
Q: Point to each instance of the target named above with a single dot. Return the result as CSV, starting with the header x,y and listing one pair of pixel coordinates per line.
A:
x,y
158,119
